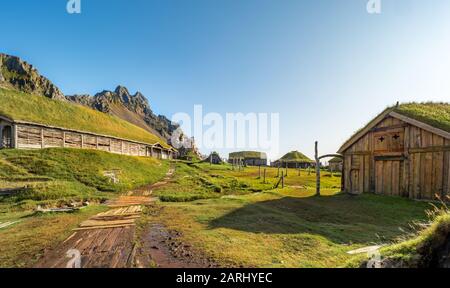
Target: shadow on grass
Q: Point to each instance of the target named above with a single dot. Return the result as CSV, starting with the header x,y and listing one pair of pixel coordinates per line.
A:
x,y
340,218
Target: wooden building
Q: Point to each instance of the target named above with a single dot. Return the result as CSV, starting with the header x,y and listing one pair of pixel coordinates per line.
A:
x,y
404,151
213,158
335,164
294,159
27,135
248,158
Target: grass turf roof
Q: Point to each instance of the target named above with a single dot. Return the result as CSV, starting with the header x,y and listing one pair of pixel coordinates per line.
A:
x,y
248,154
20,106
296,156
433,114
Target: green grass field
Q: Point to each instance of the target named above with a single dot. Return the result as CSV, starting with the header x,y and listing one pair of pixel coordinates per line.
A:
x,y
231,216
286,227
63,175
42,110
55,177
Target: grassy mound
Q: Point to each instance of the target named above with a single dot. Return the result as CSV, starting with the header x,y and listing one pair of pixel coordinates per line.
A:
x,y
54,175
296,156
38,109
430,249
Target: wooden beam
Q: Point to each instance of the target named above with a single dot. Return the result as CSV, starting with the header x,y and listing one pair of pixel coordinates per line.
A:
x,y
364,131
317,169
429,149
421,125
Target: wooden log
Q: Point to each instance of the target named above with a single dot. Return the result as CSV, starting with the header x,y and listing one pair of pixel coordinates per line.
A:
x,y
317,169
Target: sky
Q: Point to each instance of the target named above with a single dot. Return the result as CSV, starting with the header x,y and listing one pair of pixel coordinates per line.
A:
x,y
326,66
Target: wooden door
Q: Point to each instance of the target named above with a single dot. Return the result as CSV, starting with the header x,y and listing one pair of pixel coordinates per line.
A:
x,y
354,177
388,177
6,137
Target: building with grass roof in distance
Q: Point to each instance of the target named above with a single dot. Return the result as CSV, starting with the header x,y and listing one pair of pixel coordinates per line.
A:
x,y
294,159
335,164
249,158
213,158
30,121
404,151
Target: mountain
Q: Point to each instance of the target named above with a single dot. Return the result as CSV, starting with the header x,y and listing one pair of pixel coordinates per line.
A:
x,y
19,75
132,108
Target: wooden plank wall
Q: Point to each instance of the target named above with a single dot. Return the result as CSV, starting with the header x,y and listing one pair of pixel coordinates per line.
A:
x,y
428,164
34,137
423,172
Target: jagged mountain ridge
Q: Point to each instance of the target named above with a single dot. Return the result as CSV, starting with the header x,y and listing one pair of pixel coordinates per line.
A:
x,y
18,74
132,108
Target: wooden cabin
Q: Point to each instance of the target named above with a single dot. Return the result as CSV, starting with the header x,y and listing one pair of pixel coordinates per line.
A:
x,y
248,158
335,164
213,158
294,159
404,151
26,135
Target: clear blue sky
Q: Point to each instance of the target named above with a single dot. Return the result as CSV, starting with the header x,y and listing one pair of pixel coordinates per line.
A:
x,y
326,66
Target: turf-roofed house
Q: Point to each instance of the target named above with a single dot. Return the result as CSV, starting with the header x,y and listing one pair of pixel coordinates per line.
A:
x,y
249,158
294,159
404,151
30,121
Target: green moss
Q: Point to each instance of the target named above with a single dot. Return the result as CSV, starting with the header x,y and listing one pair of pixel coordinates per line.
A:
x,y
434,114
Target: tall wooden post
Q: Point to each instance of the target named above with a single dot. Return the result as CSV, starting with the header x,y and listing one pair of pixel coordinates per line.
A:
x,y
259,172
317,169
286,168
264,176
282,181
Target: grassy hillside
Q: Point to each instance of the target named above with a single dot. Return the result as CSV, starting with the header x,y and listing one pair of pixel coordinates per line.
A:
x,y
52,176
427,248
39,109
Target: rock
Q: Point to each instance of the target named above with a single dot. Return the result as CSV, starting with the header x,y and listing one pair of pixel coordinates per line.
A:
x,y
132,108
24,77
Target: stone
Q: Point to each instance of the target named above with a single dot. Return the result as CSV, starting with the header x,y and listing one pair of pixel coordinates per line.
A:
x,y
25,78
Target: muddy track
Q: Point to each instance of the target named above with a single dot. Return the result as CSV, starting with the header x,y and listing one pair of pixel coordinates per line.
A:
x,y
108,239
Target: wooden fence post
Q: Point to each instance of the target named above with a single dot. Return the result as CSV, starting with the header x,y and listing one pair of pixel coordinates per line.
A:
x,y
282,181
317,169
264,176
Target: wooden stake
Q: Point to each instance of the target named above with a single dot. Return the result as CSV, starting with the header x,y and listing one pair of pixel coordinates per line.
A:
x,y
317,169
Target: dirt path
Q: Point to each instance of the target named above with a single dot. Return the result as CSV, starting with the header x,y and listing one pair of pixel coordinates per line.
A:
x,y
108,238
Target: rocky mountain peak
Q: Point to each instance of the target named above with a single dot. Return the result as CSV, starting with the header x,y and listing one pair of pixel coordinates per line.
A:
x,y
133,108
18,74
